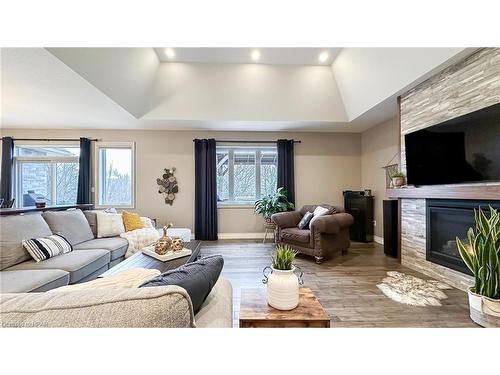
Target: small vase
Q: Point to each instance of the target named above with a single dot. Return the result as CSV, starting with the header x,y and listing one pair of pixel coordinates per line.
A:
x,y
282,288
162,246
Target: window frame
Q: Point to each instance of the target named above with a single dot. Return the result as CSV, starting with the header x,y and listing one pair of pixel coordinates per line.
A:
x,y
97,173
52,160
258,149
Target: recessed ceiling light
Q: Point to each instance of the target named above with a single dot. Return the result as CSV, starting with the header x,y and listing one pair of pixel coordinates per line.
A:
x,y
323,56
255,55
170,53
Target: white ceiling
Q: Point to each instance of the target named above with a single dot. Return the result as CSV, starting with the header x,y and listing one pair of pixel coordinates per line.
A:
x,y
275,56
129,88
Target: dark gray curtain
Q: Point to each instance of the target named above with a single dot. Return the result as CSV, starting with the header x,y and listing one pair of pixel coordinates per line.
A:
x,y
84,186
7,168
205,194
285,167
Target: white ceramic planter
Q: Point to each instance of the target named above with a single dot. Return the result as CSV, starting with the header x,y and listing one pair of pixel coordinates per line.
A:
x,y
282,289
483,310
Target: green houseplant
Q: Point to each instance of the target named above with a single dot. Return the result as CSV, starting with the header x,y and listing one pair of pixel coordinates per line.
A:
x,y
282,283
283,258
273,203
398,179
481,254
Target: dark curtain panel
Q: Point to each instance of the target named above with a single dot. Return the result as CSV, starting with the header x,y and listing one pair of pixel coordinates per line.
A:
x,y
205,199
7,168
285,167
84,186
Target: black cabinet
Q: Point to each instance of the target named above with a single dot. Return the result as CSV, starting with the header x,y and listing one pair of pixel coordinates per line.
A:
x,y
391,228
361,208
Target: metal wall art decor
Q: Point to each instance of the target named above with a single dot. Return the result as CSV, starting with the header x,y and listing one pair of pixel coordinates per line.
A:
x,y
389,171
167,185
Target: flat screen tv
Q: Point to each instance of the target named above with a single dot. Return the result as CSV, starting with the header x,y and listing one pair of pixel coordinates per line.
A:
x,y
461,150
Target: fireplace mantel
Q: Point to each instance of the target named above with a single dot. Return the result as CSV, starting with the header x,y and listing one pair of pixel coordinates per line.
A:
x,y
491,192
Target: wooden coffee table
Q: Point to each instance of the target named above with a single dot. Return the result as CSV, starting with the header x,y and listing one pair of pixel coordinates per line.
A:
x,y
139,260
256,313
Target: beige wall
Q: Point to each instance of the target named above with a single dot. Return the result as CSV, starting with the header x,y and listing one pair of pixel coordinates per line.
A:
x,y
378,146
325,164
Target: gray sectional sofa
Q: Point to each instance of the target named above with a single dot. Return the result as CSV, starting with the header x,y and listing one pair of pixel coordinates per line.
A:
x,y
91,256
20,276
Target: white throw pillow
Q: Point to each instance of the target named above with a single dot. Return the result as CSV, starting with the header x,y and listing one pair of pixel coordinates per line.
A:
x,y
109,225
319,211
147,222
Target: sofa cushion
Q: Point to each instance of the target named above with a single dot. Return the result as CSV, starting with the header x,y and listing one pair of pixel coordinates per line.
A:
x,y
43,248
296,235
217,310
79,264
70,224
13,230
91,216
167,306
131,221
116,245
23,281
198,278
109,225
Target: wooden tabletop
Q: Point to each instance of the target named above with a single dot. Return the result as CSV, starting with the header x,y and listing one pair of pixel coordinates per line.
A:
x,y
255,312
140,260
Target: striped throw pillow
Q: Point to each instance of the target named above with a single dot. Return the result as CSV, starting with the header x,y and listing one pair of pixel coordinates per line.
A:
x,y
47,247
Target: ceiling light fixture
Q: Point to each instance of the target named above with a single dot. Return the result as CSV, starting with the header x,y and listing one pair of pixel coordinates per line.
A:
x,y
323,56
170,53
255,55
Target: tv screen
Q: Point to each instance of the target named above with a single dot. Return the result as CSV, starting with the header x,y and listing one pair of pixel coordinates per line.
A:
x,y
460,150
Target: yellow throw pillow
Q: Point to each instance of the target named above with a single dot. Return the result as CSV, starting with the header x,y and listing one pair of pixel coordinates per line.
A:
x,y
131,221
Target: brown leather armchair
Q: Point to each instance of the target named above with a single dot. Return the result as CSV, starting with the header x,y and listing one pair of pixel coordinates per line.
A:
x,y
328,233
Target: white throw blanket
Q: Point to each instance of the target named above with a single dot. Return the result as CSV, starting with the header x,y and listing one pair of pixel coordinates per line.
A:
x,y
126,279
140,238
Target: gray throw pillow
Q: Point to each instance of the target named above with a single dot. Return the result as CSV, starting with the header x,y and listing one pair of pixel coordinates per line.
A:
x,y
304,222
198,278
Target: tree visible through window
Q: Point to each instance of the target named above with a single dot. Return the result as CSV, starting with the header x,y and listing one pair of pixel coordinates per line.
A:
x,y
245,174
115,187
48,173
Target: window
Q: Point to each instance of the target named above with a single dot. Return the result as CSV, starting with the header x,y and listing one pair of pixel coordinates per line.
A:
x,y
115,174
46,172
245,174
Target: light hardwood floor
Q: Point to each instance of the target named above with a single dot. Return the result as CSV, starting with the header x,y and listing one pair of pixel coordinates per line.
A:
x,y
345,285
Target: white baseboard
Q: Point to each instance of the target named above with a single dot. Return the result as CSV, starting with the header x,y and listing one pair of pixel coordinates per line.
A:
x,y
242,236
379,240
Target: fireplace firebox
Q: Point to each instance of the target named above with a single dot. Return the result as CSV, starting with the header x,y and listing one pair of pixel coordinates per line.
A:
x,y
447,219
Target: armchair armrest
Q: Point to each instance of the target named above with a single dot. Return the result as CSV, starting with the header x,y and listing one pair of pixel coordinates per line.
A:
x,y
286,219
332,223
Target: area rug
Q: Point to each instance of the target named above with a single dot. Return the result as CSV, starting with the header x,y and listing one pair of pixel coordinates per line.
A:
x,y
411,290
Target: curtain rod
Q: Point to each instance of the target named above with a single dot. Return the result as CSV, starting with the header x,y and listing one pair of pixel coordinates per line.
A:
x,y
250,141
50,140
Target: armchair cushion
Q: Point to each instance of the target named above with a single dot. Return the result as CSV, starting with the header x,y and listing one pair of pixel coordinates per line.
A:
x,y
332,224
296,235
286,219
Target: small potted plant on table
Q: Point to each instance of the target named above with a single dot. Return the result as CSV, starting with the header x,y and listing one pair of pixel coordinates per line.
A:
x,y
271,204
482,256
282,283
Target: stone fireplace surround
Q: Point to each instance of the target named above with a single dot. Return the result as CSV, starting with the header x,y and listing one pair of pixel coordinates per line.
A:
x,y
467,86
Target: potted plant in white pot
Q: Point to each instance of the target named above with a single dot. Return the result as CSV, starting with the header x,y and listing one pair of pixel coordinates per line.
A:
x,y
398,179
282,283
482,256
271,204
